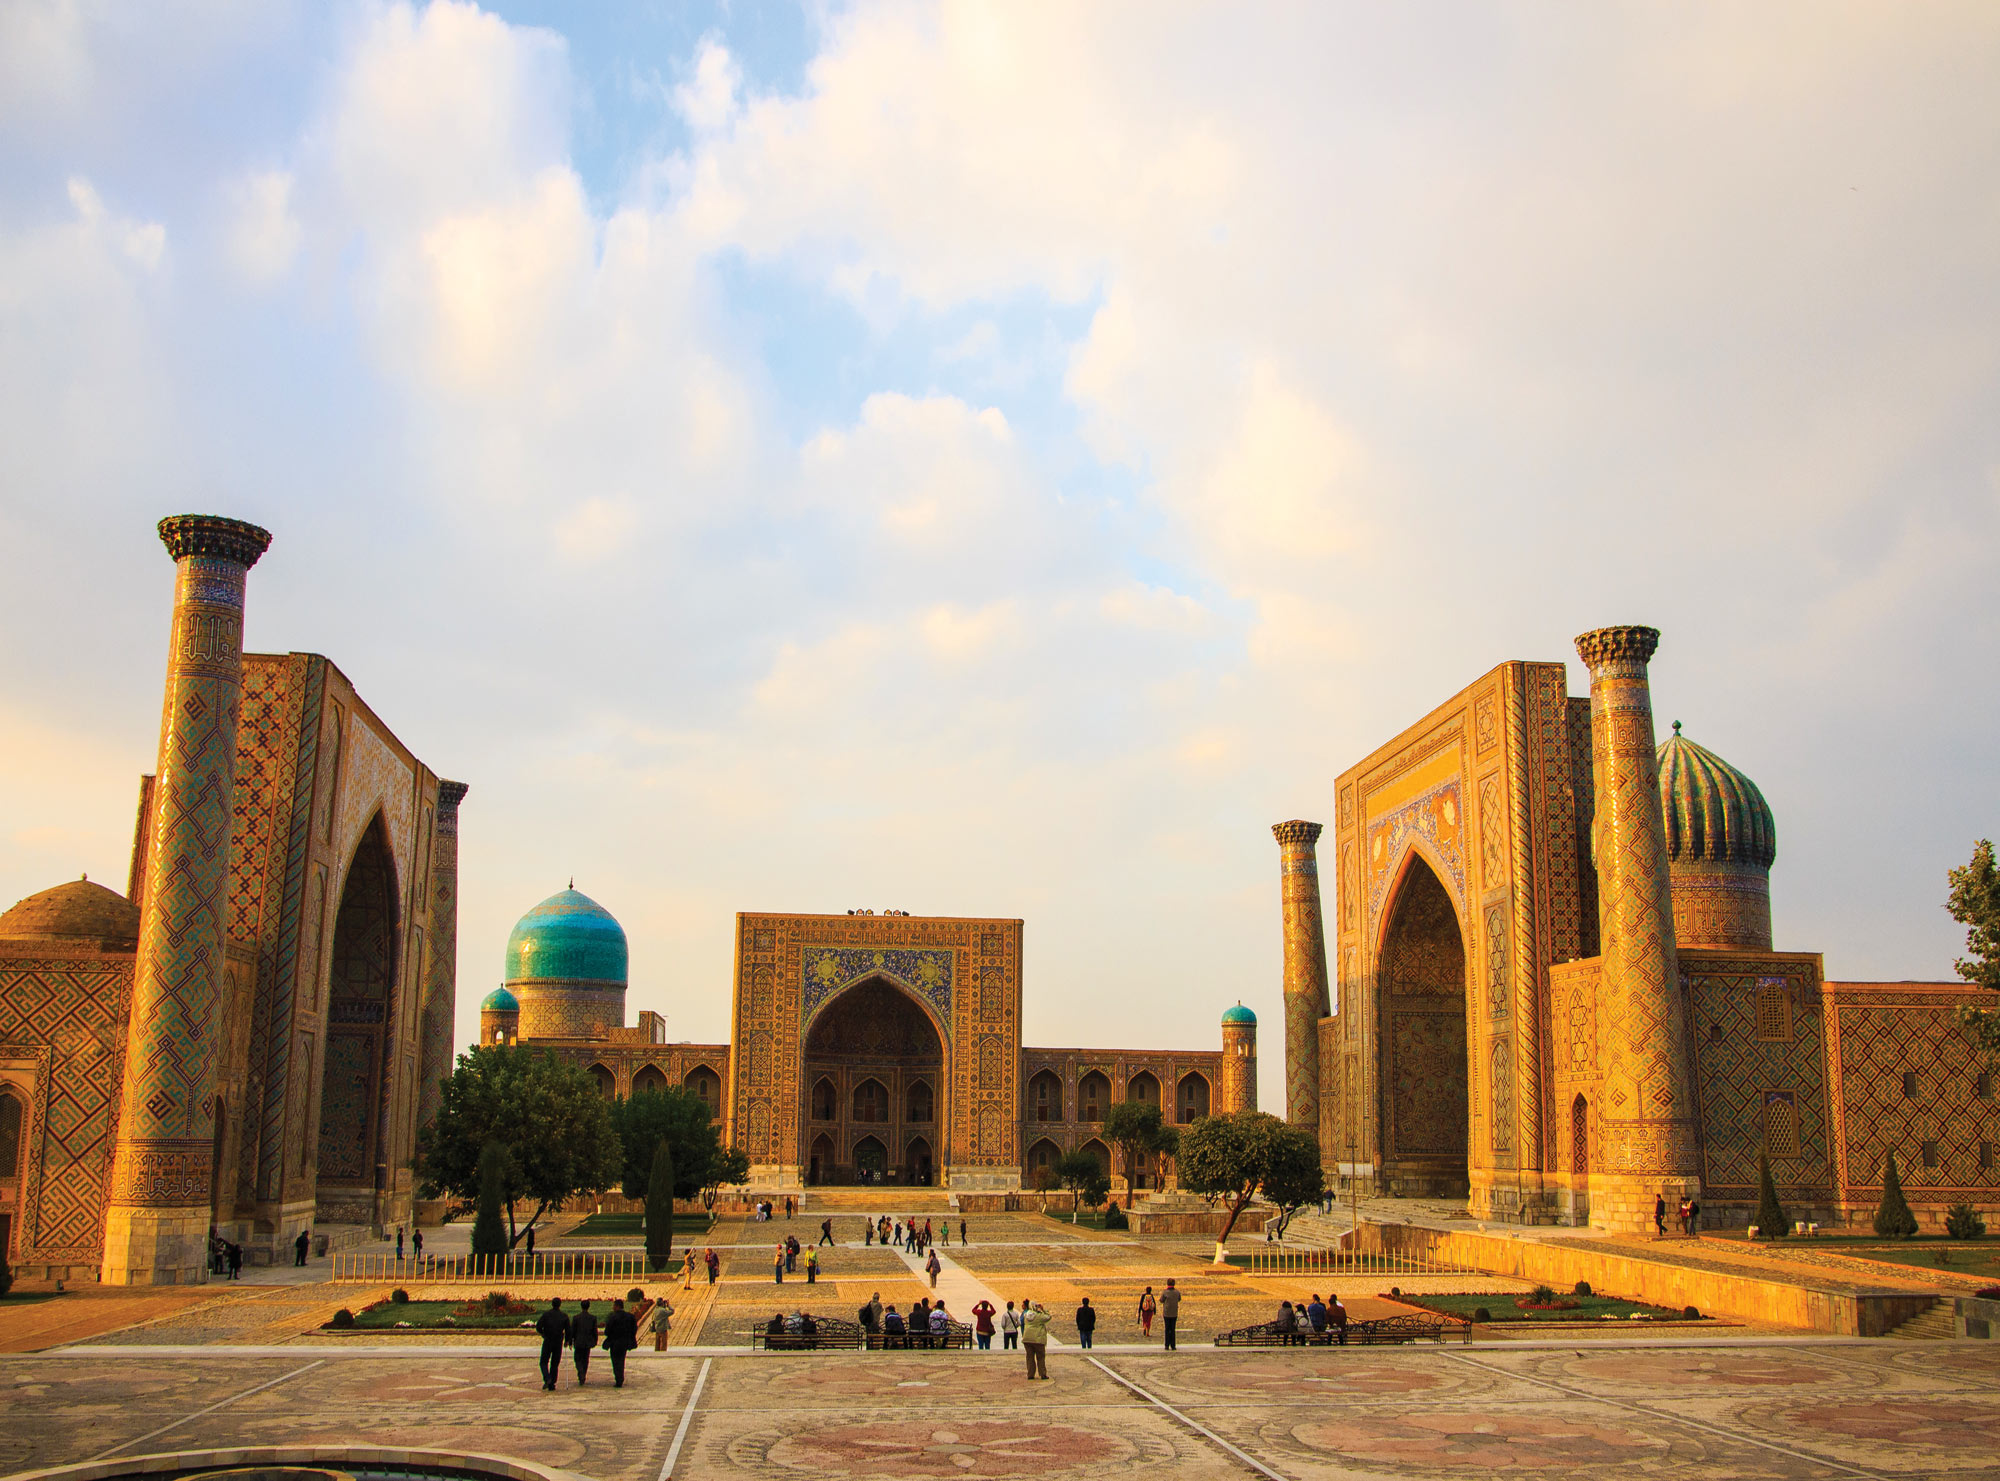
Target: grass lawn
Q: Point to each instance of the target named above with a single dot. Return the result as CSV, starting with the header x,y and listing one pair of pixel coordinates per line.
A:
x,y
633,1225
1087,1219
1980,1257
468,1315
28,1298
1503,1309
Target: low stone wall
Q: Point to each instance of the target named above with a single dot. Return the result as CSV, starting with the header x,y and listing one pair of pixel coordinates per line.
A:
x,y
1610,1272
1209,1221
1972,1317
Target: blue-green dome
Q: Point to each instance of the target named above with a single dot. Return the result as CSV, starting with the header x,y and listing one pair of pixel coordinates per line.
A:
x,y
1238,1014
1714,813
568,937
500,1001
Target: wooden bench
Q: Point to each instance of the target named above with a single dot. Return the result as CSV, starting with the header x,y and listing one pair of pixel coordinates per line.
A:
x,y
830,1333
1386,1329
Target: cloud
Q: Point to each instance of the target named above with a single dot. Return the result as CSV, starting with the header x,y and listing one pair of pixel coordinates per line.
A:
x,y
265,235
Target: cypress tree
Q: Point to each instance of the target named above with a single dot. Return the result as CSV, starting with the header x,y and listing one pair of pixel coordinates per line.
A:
x,y
660,1207
489,1229
1893,1218
1771,1220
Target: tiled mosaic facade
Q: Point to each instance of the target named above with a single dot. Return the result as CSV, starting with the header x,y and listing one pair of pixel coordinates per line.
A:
x,y
1304,934
1066,1093
1598,1060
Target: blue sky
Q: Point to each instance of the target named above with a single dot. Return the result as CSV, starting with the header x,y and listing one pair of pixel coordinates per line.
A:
x,y
1000,459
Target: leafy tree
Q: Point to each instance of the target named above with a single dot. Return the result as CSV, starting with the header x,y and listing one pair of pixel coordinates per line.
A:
x,y
1086,1179
1135,1126
1238,1156
1893,1218
489,1232
1974,902
659,1197
1771,1220
1042,1180
1962,1221
549,1116
730,1166
676,1116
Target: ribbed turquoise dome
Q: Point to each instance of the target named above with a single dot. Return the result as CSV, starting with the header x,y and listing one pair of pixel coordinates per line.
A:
x,y
1238,1014
568,937
500,1001
1714,813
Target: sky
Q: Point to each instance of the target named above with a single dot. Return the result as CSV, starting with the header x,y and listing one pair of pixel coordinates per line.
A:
x,y
999,459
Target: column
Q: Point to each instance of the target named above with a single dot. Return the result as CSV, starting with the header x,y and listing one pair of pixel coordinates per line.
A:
x,y
1645,1146
435,1050
1306,1000
157,1219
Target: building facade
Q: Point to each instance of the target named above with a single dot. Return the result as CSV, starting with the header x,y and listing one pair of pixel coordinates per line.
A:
x,y
237,1045
1557,993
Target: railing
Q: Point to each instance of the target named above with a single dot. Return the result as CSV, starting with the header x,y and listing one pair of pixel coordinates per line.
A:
x,y
466,1269
1343,1262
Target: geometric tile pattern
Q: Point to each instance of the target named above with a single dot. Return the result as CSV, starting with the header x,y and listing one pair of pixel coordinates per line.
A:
x,y
1305,987
1737,1068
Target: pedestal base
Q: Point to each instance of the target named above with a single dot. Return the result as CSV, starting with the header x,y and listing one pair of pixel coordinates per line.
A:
x,y
1623,1203
155,1246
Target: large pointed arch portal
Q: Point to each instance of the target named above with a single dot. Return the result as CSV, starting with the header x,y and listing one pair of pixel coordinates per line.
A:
x,y
355,1082
1421,990
881,1056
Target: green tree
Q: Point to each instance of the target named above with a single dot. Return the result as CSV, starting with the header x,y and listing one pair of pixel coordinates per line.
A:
x,y
1086,1179
1236,1157
1135,1126
1974,902
489,1230
1893,1218
1771,1220
549,1116
679,1118
730,1166
659,1197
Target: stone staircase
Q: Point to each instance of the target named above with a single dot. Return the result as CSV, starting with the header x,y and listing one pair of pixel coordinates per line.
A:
x,y
1933,1325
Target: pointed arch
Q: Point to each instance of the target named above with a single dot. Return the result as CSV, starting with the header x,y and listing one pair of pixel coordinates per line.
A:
x,y
649,1078
363,988
1423,1043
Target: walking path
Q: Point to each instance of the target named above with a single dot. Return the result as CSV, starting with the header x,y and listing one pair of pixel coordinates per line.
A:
x,y
961,1290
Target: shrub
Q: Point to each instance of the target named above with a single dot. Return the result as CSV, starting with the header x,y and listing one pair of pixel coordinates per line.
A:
x,y
1114,1218
1893,1219
1582,1288
1482,1315
498,1300
1542,1296
1987,1293
342,1318
1395,1290
1690,1313
635,1294
1772,1221
400,1296
1962,1221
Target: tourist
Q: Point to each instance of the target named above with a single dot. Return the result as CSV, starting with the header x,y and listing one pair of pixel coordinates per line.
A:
x,y
687,1269
778,1262
1170,1315
927,1234
775,1327
868,1236
663,1322
621,1335
808,1329
871,1316
893,1332
796,1322
920,1322
531,1241
791,1205
582,1338
1035,1340
1660,1214
825,1231
982,1324
1336,1316
714,1263
235,1252
554,1329
791,1253
301,1245
933,1267
1316,1317
399,1244
1287,1324
947,1234
963,1237
416,1244
1694,1216
1086,1323
1681,1216
940,1326
1010,1328
812,1266
1147,1306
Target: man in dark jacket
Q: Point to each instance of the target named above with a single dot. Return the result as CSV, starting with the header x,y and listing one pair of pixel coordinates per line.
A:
x,y
301,1245
554,1329
582,1338
621,1335
1086,1323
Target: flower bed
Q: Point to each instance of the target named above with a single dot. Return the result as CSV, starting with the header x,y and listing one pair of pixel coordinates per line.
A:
x,y
481,1315
1466,1307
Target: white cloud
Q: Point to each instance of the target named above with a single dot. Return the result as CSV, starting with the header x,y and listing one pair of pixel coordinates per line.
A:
x,y
265,235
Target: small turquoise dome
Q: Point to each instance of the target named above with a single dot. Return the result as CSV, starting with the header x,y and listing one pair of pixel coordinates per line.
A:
x,y
568,937
1239,1014
500,1001
1714,813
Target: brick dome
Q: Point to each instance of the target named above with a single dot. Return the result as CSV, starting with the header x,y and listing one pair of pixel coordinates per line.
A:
x,y
74,911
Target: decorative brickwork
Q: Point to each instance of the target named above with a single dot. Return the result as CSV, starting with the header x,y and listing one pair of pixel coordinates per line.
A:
x,y
1305,988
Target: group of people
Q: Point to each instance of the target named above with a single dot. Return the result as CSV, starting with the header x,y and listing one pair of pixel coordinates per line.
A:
x,y
578,1332
1313,1321
225,1257
786,1256
927,1325
1690,1215
710,1261
764,1210
910,1236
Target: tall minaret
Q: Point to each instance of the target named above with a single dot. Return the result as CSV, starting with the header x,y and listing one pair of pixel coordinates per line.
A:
x,y
159,1198
1306,1000
1239,1061
440,992
1646,1146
